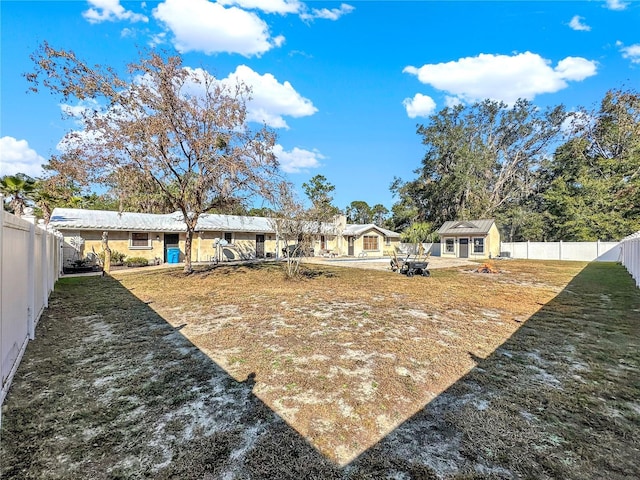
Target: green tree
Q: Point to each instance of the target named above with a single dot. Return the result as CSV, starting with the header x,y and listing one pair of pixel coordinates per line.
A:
x,y
19,190
405,210
179,133
592,188
359,211
419,232
379,214
480,160
319,191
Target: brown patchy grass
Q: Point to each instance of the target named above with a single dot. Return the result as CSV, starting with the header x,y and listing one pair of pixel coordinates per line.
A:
x,y
376,375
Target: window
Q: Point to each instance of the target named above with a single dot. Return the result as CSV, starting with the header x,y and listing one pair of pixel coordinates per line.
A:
x,y
448,246
370,242
387,241
140,240
478,245
228,236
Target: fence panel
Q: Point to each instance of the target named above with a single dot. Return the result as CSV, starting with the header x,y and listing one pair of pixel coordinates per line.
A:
x,y
630,255
413,248
14,328
580,251
29,267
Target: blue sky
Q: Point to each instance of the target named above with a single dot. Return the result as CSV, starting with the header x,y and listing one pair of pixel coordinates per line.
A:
x,y
343,83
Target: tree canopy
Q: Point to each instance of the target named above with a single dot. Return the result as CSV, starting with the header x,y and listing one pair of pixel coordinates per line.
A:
x,y
318,190
543,174
19,190
165,133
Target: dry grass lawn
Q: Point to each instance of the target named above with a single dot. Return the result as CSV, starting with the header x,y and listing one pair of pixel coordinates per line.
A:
x,y
235,372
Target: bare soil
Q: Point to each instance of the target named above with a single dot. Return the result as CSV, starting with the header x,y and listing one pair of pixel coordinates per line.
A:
x,y
234,372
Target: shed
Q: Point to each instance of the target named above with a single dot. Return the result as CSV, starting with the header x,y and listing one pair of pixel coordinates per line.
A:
x,y
475,239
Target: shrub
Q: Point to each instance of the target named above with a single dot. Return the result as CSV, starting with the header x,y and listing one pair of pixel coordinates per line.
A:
x,y
117,258
136,262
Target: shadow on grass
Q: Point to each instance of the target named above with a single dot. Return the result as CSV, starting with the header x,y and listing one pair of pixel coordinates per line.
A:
x,y
558,399
109,389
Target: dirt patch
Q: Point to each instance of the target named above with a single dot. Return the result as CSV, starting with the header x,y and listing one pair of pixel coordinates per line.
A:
x,y
234,372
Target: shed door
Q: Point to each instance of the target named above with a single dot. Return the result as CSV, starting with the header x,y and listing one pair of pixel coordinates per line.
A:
x,y
259,246
350,252
464,248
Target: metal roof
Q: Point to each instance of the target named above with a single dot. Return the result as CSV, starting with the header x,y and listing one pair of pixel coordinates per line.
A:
x,y
79,219
466,227
356,229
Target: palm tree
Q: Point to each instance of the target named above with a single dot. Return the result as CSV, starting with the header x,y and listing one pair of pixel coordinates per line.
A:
x,y
18,189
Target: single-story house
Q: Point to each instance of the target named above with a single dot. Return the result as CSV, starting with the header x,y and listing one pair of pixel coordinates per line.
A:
x,y
226,237
475,239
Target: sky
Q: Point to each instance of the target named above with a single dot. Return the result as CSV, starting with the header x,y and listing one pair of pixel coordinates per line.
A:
x,y
344,84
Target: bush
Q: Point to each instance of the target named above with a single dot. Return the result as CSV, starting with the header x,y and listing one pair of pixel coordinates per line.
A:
x,y
117,258
136,262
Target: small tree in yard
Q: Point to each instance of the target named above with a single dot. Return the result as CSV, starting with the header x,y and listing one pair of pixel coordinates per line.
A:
x,y
294,227
175,132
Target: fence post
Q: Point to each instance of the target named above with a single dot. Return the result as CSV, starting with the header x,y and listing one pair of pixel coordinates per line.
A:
x,y
31,273
44,255
528,249
560,250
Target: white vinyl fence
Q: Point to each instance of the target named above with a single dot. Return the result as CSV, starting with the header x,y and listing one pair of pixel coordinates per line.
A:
x,y
582,251
30,264
412,248
630,255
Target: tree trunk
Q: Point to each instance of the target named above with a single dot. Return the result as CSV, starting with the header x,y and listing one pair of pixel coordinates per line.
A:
x,y
187,251
107,252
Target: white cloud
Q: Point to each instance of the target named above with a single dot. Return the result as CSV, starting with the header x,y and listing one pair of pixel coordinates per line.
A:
x,y
452,102
200,25
502,77
419,106
575,69
632,52
328,14
110,11
268,6
297,160
17,157
577,24
271,100
617,4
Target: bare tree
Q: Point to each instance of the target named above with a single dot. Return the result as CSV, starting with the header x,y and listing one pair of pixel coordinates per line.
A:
x,y
294,228
175,132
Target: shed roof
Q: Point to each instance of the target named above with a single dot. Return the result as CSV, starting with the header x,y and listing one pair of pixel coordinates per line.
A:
x,y
466,227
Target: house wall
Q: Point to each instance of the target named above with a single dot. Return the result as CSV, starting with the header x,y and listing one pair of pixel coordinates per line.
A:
x,y
491,244
383,246
331,244
118,240
243,245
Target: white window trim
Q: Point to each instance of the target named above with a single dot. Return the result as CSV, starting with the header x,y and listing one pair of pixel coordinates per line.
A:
x,y
149,245
453,240
473,245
